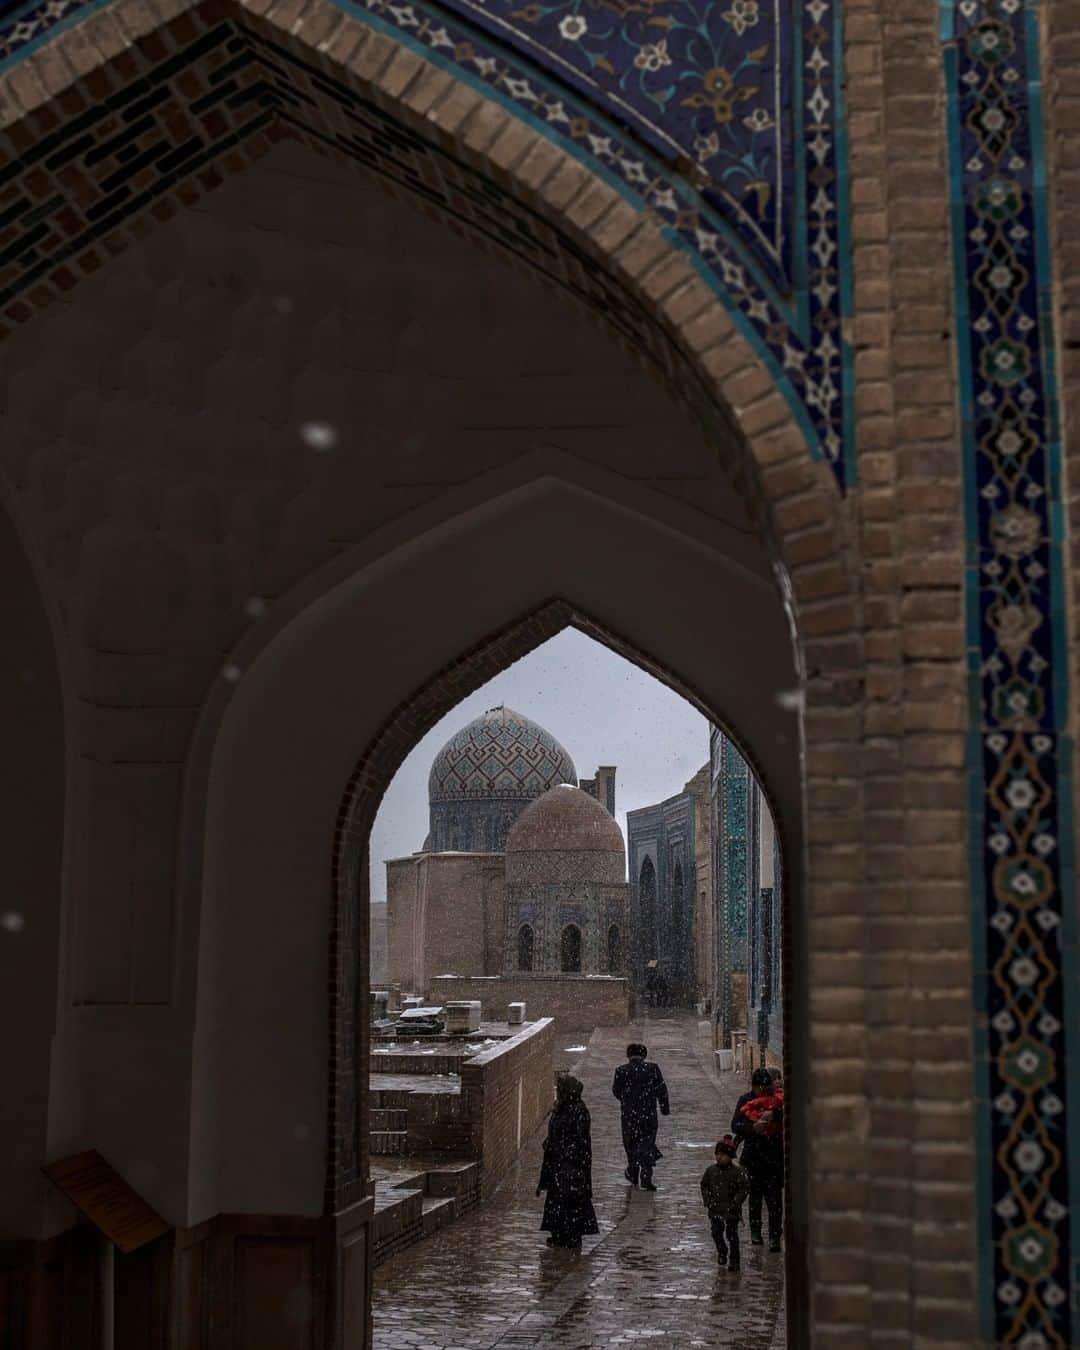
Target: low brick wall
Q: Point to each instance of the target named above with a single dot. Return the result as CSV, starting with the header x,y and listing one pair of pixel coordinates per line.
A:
x,y
508,1091
388,1062
573,1002
439,1123
505,1091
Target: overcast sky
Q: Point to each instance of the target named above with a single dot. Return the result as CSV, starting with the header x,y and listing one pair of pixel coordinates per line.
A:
x,y
600,707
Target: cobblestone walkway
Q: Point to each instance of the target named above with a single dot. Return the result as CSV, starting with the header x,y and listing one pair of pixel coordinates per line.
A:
x,y
650,1277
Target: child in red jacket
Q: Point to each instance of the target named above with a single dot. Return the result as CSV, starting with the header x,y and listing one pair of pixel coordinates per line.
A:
x,y
768,1106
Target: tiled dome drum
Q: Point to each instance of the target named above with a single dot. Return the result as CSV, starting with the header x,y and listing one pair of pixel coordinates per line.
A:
x,y
485,776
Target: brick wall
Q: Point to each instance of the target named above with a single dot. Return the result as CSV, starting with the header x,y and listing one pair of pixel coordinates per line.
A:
x,y
573,1002
482,1120
879,976
508,1091
444,915
439,1123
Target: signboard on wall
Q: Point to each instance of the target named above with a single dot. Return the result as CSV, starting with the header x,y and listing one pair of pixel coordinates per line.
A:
x,y
100,1193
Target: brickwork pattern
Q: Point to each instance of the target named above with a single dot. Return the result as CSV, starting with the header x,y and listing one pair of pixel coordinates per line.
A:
x,y
885,713
575,1002
885,934
803,342
508,1092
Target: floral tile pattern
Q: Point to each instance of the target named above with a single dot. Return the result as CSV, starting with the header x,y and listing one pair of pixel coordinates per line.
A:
x,y
1016,626
705,83
720,118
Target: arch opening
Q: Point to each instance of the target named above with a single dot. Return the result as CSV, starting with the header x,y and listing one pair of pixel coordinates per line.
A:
x,y
571,942
221,1177
570,950
614,950
650,944
525,947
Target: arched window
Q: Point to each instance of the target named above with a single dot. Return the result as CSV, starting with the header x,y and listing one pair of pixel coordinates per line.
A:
x,y
525,947
614,950
571,949
647,909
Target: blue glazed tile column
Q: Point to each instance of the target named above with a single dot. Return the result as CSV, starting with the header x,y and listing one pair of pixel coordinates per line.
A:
x,y
1019,756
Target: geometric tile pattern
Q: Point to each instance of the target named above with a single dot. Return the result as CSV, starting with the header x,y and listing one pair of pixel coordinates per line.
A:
x,y
500,754
735,838
1015,603
722,120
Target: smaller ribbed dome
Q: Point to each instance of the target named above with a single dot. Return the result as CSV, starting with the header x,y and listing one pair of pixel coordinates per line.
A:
x,y
565,820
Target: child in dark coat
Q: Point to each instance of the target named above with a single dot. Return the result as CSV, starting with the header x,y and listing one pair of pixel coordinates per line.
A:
x,y
724,1187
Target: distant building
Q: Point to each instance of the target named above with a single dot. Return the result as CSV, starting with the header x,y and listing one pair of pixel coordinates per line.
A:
x,y
377,961
602,787
566,891
668,850
485,776
746,906
521,878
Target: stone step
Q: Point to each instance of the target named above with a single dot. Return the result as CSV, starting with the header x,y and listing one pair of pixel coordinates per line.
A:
x,y
398,1220
456,1179
407,1199
385,1142
388,1118
389,1099
438,1211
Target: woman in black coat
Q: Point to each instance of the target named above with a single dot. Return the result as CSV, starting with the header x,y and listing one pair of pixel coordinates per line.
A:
x,y
566,1174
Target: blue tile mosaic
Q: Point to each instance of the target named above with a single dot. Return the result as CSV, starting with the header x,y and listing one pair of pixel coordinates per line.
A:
x,y
721,118
1019,769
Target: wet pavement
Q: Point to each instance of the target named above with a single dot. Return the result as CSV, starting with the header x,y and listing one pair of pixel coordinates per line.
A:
x,y
649,1277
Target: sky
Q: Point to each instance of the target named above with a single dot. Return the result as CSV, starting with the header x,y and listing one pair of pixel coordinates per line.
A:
x,y
601,708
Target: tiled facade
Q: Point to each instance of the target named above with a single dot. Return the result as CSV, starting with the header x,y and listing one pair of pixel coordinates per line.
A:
x,y
747,901
1021,791
730,802
662,848
567,904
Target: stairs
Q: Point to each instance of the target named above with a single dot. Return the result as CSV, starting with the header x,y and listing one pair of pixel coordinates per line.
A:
x,y
389,1131
438,1211
411,1205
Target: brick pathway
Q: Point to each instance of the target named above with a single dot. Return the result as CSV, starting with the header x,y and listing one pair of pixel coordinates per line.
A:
x,y
649,1277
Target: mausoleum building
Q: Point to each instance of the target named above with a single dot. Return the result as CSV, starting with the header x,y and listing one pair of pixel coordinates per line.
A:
x,y
566,892
522,876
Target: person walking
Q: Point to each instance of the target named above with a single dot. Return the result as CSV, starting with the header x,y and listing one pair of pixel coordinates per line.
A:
x,y
758,1124
566,1172
724,1187
641,1089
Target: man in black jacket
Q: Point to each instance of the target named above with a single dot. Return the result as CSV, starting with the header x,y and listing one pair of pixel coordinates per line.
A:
x,y
763,1157
640,1088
